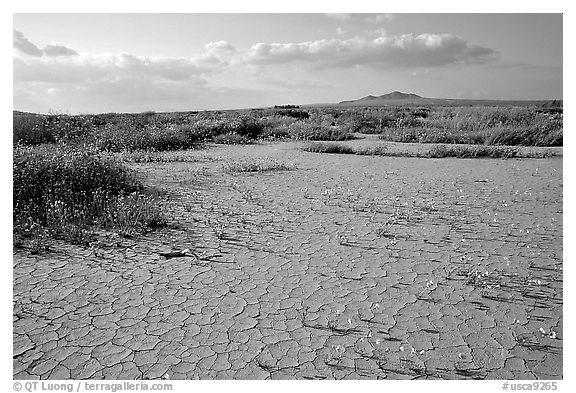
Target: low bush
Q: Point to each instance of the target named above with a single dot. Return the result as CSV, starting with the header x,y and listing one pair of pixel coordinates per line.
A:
x,y
479,151
319,147
31,129
114,139
64,194
380,149
296,114
313,132
258,166
246,126
232,139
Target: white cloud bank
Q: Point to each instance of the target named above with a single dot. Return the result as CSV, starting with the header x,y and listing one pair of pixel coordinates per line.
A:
x,y
384,51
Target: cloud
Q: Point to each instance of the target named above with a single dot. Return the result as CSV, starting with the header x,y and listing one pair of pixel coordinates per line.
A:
x,y
111,67
341,16
114,81
23,45
369,18
220,47
379,18
384,51
58,50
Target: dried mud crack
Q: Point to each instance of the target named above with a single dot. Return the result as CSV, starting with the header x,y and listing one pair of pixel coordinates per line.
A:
x,y
343,267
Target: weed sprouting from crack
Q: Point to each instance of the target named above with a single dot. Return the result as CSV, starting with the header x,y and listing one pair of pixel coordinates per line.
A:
x,y
342,238
219,230
384,231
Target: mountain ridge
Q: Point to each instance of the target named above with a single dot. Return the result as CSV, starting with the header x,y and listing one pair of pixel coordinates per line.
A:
x,y
393,96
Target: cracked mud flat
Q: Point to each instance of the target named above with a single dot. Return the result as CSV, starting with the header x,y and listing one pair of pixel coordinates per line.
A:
x,y
347,267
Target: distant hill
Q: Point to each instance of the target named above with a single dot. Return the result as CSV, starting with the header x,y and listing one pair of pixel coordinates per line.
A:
x,y
399,98
385,99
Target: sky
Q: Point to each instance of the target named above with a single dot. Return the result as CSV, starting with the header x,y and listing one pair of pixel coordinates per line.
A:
x,y
93,63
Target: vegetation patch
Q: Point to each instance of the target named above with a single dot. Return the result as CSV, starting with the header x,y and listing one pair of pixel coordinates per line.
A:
x,y
324,147
232,139
480,151
258,166
438,151
482,125
66,194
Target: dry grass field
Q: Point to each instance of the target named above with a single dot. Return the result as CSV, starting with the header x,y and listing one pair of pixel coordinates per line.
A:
x,y
272,262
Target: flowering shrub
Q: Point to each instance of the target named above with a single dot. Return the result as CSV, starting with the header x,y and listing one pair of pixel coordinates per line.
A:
x,y
64,193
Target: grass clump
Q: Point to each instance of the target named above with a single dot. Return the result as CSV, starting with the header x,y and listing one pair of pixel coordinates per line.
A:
x,y
232,139
65,194
324,147
380,149
480,151
259,166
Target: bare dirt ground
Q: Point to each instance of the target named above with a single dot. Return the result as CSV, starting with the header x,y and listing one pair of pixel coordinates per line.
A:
x,y
345,267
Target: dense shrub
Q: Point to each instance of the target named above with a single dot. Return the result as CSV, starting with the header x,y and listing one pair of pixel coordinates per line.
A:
x,y
32,129
321,147
115,139
276,133
246,126
232,139
258,166
442,151
64,193
296,114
